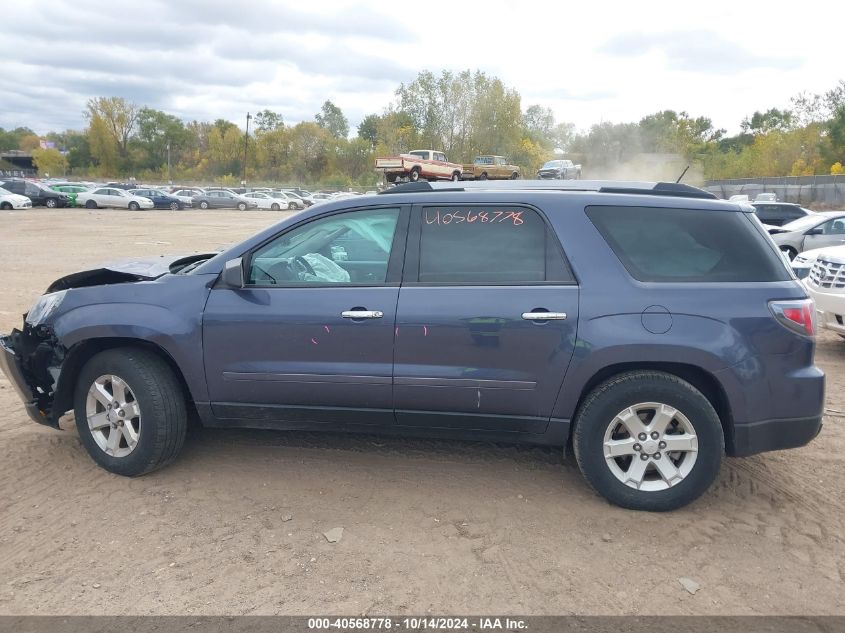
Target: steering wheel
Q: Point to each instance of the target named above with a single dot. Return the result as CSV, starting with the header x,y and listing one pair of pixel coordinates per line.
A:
x,y
303,263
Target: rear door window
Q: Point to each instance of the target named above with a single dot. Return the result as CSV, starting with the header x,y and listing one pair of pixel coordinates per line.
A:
x,y
664,245
488,245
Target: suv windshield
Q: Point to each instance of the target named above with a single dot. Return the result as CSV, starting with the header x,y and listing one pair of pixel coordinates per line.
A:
x,y
553,164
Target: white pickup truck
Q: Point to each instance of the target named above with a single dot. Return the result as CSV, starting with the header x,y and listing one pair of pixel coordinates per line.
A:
x,y
420,163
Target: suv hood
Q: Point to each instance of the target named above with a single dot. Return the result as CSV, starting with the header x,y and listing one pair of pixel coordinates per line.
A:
x,y
141,269
834,254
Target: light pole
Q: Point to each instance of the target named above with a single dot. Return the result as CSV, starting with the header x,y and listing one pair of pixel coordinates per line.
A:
x,y
246,142
169,179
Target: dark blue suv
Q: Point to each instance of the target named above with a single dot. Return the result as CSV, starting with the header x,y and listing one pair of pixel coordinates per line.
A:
x,y
649,327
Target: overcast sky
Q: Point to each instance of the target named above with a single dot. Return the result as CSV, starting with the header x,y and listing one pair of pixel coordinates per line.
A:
x,y
588,61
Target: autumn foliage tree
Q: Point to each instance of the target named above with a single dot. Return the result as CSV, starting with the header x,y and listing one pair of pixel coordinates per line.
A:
x,y
463,114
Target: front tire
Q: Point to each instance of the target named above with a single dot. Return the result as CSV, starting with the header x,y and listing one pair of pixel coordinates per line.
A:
x,y
6,206
134,206
624,434
203,205
242,206
174,206
483,176
51,203
90,204
790,252
275,206
130,411
456,177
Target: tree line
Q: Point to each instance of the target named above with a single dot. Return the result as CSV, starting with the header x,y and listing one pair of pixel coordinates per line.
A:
x,y
463,114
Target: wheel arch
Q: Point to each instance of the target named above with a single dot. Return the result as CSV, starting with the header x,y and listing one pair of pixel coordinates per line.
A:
x,y
85,350
699,378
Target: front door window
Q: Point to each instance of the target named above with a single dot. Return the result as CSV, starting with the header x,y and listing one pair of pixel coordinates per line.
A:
x,y
347,248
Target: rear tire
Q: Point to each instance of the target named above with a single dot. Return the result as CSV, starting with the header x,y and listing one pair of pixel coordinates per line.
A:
x,y
691,424
483,176
90,204
156,395
514,176
414,176
456,177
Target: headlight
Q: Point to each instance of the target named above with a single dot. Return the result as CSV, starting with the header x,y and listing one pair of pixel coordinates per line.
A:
x,y
44,307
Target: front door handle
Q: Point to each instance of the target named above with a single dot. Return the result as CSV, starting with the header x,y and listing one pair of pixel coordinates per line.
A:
x,y
362,314
544,316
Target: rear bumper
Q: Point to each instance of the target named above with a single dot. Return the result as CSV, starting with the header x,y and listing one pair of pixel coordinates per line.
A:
x,y
774,435
10,365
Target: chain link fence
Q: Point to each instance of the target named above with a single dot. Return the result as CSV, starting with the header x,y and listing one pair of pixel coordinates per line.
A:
x,y
819,191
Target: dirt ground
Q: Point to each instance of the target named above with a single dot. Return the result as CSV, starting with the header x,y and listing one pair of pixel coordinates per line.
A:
x,y
235,525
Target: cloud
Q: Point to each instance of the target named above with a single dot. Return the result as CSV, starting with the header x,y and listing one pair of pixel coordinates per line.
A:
x,y
695,51
567,94
211,59
195,58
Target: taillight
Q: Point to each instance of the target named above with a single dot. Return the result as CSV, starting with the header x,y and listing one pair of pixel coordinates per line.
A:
x,y
798,315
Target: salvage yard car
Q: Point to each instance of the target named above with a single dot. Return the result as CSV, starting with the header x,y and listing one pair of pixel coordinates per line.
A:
x,y
559,170
490,167
222,199
160,199
112,197
779,213
9,200
272,200
826,285
816,230
420,163
648,327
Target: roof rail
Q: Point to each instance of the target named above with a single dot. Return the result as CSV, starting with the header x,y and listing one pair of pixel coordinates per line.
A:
x,y
680,190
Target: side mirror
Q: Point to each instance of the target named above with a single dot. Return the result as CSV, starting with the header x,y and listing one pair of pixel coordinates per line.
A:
x,y
233,274
815,231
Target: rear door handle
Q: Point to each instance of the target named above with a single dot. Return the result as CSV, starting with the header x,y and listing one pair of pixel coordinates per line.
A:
x,y
544,316
362,314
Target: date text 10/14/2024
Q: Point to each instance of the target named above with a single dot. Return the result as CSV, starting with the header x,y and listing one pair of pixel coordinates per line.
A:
x,y
417,624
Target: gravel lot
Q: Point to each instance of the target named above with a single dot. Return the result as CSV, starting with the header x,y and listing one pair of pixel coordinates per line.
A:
x,y
235,526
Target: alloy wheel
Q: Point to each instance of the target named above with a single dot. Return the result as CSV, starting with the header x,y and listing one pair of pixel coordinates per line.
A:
x,y
650,446
114,415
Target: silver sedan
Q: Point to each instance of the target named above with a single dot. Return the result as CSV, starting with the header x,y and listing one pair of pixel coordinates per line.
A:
x,y
812,231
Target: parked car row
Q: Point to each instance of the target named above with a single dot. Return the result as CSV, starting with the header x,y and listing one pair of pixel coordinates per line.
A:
x,y
20,193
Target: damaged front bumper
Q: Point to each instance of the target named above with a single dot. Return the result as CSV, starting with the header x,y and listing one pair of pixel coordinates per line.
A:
x,y
36,393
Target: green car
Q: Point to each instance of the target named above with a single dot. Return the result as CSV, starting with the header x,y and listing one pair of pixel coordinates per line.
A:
x,y
71,191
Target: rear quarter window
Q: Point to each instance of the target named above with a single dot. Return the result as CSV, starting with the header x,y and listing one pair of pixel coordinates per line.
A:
x,y
687,245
